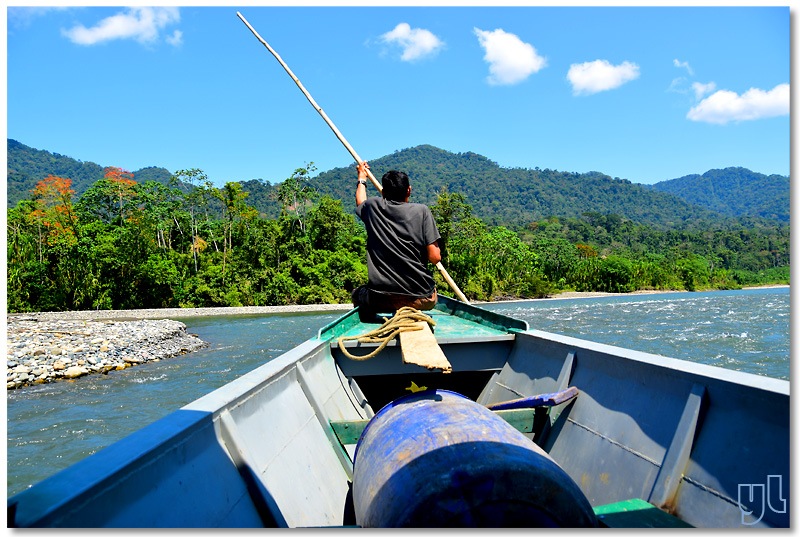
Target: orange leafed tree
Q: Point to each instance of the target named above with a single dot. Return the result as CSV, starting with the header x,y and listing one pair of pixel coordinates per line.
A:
x,y
53,197
121,183
586,251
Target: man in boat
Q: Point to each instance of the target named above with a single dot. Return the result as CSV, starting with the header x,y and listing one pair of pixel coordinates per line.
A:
x,y
402,238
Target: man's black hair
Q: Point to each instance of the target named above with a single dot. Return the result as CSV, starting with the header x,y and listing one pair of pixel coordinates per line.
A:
x,y
395,185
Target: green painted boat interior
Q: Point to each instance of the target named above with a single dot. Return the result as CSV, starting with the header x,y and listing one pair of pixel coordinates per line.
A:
x,y
454,320
636,513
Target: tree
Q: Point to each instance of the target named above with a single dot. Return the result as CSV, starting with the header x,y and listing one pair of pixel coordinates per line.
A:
x,y
158,203
190,182
449,211
329,227
295,193
53,198
121,184
233,207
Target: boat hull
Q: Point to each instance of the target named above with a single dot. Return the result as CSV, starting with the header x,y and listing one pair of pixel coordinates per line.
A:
x,y
260,451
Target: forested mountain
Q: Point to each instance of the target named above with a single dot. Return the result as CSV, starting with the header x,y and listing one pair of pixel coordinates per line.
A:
x,y
514,197
27,166
734,192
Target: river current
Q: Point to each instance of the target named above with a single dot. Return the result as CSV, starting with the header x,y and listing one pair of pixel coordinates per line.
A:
x,y
52,426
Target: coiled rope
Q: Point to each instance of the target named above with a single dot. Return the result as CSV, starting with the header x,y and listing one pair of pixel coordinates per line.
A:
x,y
403,321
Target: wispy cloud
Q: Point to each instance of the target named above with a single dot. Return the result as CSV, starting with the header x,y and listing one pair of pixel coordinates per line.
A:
x,y
176,39
22,16
416,43
140,23
701,90
683,64
678,85
510,59
592,77
724,106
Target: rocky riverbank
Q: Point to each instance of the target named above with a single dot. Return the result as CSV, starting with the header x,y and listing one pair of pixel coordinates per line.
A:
x,y
42,350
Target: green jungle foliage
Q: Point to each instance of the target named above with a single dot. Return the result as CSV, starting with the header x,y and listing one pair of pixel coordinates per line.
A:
x,y
127,244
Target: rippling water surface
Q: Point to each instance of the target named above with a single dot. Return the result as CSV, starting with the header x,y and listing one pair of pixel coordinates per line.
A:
x,y
742,330
51,426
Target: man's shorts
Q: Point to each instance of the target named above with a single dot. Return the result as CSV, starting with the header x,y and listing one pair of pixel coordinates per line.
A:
x,y
386,303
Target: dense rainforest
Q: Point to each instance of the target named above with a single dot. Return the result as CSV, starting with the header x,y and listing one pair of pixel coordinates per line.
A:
x,y
142,240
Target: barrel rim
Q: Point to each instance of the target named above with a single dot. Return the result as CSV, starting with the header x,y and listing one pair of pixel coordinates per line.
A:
x,y
401,400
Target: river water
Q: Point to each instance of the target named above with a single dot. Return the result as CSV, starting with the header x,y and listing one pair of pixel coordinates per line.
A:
x,y
52,426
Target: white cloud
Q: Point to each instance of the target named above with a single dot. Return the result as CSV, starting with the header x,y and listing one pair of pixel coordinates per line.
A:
x,y
139,23
416,42
600,75
176,39
510,59
724,106
701,90
683,64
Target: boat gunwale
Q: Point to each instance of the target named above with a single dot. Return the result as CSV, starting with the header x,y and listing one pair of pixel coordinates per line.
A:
x,y
739,378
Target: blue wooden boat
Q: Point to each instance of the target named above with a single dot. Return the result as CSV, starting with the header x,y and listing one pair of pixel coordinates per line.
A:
x,y
528,429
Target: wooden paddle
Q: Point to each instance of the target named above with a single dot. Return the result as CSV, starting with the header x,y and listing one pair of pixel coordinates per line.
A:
x,y
341,138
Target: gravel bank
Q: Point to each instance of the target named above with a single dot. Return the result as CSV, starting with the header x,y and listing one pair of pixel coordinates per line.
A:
x,y
46,347
42,351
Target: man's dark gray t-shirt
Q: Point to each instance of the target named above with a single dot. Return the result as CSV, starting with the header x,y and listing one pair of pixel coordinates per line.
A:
x,y
398,235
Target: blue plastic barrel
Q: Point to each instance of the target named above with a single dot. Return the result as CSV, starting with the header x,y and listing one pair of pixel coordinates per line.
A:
x,y
438,459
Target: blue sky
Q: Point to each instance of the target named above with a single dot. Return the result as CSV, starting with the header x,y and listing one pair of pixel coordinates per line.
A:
x,y
640,93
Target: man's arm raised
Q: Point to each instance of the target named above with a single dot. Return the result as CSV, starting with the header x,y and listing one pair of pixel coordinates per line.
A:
x,y
361,189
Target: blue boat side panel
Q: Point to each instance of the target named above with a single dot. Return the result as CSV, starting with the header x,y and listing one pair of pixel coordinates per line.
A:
x,y
527,372
156,477
281,432
725,457
638,412
330,387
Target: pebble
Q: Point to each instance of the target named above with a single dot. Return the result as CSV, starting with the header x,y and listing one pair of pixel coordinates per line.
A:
x,y
42,350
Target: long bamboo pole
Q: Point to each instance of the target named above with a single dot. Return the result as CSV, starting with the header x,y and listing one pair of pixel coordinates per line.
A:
x,y
341,138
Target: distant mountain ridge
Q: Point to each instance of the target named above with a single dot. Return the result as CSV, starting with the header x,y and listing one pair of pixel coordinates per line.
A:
x,y
513,197
518,196
734,192
27,166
